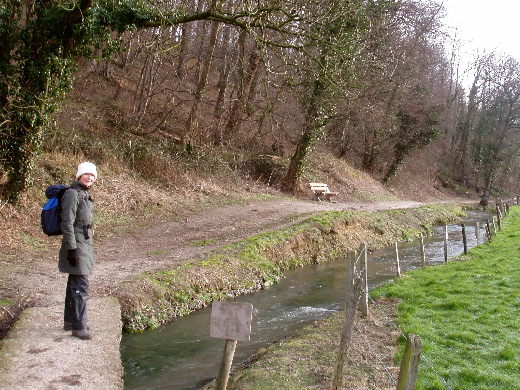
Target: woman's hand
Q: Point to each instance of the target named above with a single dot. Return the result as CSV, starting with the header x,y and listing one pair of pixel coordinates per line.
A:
x,y
73,257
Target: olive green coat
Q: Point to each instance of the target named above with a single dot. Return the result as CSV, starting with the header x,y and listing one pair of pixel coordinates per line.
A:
x,y
77,210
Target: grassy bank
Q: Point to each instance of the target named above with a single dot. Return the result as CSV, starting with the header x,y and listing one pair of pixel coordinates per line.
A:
x,y
466,313
251,264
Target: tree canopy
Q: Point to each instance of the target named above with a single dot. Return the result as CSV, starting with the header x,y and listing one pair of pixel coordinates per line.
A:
x,y
370,79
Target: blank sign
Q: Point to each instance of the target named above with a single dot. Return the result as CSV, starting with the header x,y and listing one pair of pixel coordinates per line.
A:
x,y
231,320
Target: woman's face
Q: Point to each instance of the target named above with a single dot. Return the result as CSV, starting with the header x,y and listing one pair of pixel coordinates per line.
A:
x,y
87,179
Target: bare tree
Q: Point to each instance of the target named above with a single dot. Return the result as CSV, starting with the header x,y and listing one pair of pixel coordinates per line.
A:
x,y
402,90
248,70
228,55
190,128
497,138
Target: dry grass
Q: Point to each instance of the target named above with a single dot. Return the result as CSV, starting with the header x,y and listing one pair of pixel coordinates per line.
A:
x,y
123,195
307,359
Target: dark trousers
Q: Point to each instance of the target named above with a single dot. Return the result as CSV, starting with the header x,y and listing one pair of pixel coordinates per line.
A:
x,y
76,297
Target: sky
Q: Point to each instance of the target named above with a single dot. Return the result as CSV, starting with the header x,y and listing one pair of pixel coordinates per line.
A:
x,y
486,25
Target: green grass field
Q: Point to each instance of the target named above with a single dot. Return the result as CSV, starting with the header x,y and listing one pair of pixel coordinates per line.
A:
x,y
467,314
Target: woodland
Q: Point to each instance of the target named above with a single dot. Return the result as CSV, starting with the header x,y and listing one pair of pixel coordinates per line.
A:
x,y
370,81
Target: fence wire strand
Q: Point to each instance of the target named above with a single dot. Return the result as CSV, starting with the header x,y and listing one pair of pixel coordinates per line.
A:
x,y
374,352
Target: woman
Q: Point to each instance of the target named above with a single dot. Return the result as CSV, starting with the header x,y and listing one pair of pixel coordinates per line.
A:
x,y
77,249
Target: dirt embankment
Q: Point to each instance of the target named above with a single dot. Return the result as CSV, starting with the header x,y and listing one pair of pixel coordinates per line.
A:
x,y
194,275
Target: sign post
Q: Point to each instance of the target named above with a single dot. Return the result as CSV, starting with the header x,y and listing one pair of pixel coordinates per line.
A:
x,y
230,321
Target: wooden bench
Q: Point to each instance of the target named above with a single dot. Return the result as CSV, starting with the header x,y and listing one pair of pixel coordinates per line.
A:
x,y
321,191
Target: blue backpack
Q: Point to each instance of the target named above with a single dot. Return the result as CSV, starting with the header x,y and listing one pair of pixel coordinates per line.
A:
x,y
51,211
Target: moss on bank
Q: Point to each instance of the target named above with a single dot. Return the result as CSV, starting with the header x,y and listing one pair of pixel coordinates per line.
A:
x,y
251,264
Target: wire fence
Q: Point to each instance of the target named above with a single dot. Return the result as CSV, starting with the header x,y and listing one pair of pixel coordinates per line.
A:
x,y
360,271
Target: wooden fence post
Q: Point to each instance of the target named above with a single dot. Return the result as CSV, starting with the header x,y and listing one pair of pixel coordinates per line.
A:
x,y
464,241
477,233
445,243
353,293
364,296
397,259
494,226
423,254
410,363
499,218
488,230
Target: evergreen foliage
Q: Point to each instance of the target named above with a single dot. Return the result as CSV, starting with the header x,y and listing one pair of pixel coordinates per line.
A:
x,y
40,42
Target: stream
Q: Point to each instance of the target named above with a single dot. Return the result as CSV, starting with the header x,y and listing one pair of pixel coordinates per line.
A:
x,y
183,356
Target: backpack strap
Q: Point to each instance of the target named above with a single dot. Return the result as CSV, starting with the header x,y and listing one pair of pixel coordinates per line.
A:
x,y
56,191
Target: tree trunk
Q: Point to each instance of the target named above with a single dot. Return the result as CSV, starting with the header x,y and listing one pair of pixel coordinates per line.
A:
x,y
183,49
370,151
314,123
233,125
201,87
222,86
462,152
484,200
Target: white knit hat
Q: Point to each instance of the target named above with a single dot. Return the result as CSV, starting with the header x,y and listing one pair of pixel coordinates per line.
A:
x,y
86,167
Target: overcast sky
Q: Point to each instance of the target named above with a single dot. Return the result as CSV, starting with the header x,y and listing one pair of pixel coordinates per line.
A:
x,y
486,24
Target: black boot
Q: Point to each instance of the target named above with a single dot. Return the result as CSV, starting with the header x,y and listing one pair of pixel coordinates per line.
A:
x,y
82,334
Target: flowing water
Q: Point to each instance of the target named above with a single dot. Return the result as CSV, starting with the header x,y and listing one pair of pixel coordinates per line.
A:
x,y
182,355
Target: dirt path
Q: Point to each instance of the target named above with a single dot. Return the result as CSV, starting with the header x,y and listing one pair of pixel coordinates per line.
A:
x,y
168,244
165,245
